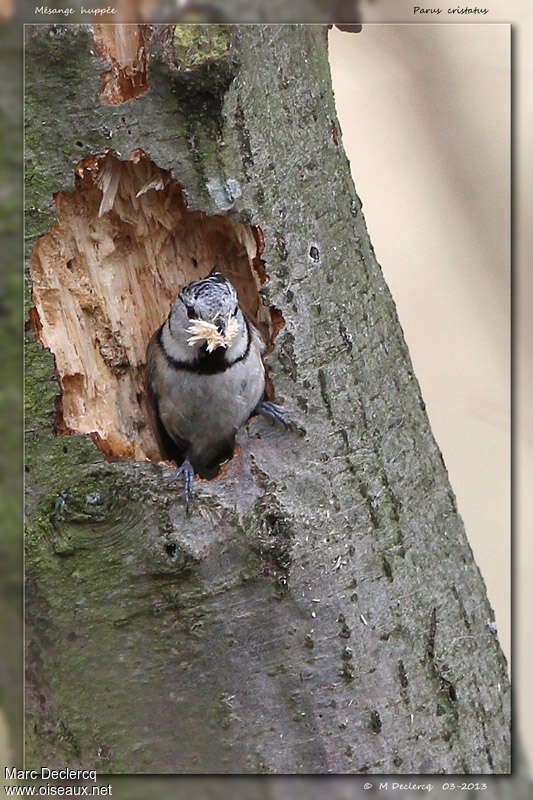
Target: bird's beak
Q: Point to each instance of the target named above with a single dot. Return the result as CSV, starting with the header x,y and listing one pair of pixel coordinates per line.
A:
x,y
221,325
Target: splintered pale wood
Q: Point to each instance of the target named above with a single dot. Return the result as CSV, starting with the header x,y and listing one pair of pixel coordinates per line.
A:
x,y
104,278
126,47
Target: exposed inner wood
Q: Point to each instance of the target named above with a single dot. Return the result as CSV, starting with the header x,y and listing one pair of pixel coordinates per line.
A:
x,y
104,278
127,48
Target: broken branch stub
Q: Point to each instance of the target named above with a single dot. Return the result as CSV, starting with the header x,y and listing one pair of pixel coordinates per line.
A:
x,y
127,48
104,278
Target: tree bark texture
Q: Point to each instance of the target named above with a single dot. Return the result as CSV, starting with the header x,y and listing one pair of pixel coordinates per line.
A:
x,y
320,610
11,556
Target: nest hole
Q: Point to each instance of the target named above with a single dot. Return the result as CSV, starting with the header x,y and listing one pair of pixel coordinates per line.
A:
x,y
104,278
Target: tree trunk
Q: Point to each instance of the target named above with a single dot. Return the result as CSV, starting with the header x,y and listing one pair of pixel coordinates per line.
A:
x,y
320,610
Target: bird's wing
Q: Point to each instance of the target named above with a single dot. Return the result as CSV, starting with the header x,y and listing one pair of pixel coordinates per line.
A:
x,y
169,447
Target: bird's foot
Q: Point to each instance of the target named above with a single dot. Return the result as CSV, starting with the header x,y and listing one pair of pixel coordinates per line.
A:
x,y
187,471
272,411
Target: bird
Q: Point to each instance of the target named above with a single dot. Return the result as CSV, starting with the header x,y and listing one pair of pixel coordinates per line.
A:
x,y
205,377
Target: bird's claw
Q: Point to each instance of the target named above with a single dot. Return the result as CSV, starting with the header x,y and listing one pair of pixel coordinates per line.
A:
x,y
272,411
187,471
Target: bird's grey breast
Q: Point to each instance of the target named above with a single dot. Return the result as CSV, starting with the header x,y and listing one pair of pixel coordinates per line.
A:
x,y
207,409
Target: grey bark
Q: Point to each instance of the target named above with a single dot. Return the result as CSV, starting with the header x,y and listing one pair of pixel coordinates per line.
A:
x,y
11,320
320,611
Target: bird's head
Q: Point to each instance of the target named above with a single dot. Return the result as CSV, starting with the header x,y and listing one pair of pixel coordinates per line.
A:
x,y
210,311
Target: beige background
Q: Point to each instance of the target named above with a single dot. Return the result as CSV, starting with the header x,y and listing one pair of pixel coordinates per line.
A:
x,y
425,115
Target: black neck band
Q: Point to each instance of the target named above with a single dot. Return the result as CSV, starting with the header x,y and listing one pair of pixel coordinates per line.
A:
x,y
207,363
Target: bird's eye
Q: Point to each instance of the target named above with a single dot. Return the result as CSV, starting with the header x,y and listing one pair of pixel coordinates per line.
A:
x,y
234,312
190,312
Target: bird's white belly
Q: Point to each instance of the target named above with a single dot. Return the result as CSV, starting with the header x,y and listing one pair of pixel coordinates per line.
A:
x,y
207,410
